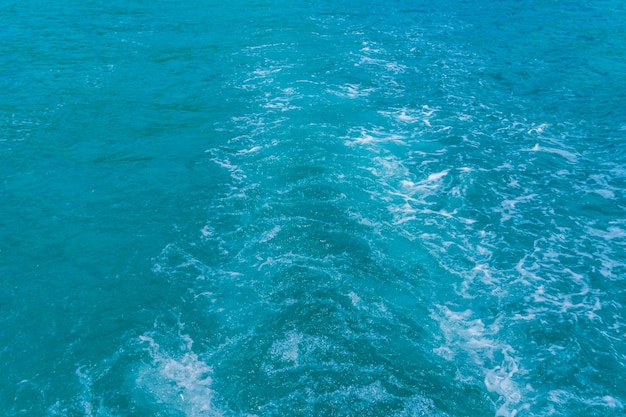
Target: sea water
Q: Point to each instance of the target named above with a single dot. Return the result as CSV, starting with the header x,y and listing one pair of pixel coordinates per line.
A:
x,y
313,208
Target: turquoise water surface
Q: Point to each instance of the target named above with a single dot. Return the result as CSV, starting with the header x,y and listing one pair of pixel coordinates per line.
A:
x,y
313,208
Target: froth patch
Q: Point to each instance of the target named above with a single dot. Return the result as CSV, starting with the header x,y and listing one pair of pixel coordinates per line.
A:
x,y
562,397
409,116
570,156
270,234
375,137
181,382
351,91
478,345
287,349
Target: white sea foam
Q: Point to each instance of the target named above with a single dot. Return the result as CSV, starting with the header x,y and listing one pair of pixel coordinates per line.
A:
x,y
282,102
388,169
570,156
355,299
391,66
538,129
563,397
411,115
180,381
500,380
376,137
509,206
86,397
267,45
251,150
235,171
207,231
612,402
479,343
271,234
294,350
404,117
288,349
351,91
611,233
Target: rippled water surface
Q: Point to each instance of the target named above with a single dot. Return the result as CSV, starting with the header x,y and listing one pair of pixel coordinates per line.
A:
x,y
330,208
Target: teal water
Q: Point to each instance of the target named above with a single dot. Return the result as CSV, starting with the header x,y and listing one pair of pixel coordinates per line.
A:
x,y
331,208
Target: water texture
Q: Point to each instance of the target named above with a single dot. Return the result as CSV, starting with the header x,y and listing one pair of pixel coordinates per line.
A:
x,y
329,208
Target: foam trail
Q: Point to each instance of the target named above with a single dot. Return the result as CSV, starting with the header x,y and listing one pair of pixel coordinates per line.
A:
x,y
181,382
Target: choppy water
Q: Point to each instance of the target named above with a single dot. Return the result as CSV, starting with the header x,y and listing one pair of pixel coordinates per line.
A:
x,y
330,208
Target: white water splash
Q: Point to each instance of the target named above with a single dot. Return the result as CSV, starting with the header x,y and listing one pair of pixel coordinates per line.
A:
x,y
179,381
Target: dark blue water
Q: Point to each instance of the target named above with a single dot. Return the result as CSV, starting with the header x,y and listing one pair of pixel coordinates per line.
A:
x,y
271,208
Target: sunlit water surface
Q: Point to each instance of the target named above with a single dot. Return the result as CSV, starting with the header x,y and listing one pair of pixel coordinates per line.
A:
x,y
329,208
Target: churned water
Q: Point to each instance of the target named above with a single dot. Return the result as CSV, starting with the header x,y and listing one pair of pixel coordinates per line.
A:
x,y
313,208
